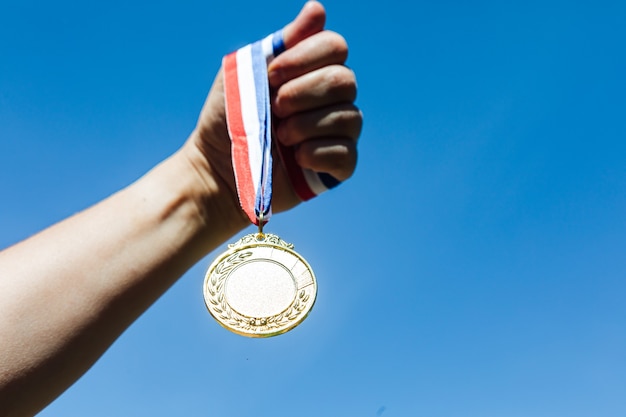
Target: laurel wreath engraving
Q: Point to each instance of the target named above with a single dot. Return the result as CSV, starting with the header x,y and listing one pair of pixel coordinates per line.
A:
x,y
216,300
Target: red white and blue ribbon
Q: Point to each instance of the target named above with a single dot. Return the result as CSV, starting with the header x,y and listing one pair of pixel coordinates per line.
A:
x,y
249,119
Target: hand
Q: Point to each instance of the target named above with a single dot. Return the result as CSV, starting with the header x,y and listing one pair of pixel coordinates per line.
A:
x,y
312,101
119,256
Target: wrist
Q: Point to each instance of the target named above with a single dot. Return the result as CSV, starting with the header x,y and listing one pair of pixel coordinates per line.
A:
x,y
214,197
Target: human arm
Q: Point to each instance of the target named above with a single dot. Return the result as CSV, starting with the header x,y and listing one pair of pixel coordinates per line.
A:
x,y
68,292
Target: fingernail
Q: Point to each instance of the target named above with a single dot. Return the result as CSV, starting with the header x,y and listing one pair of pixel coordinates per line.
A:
x,y
275,77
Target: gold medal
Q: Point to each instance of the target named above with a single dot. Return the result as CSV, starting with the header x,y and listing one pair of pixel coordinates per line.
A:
x,y
260,287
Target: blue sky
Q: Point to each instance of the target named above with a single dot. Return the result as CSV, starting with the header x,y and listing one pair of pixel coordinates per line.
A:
x,y
475,264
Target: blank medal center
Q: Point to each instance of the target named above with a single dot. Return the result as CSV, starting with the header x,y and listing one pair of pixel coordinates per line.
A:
x,y
260,288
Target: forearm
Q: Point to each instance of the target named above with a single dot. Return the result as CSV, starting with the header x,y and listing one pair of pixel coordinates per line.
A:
x,y
67,293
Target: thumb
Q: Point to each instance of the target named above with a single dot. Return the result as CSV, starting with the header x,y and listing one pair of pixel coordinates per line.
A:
x,y
309,21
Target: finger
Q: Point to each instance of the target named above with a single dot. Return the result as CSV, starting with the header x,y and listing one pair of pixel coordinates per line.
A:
x,y
316,51
335,156
319,88
340,120
309,21
281,181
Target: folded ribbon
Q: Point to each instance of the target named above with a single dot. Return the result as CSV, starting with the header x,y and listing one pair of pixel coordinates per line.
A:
x,y
249,120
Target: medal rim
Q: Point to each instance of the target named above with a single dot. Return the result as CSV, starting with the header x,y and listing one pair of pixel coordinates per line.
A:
x,y
248,242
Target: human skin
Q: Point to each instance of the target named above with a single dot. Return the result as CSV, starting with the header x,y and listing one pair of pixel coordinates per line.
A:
x,y
68,292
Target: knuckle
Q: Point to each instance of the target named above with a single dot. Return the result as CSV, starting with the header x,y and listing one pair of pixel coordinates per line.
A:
x,y
285,97
349,120
289,131
358,123
336,157
342,78
337,44
344,163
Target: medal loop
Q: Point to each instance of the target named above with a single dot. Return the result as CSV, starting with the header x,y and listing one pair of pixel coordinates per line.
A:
x,y
260,235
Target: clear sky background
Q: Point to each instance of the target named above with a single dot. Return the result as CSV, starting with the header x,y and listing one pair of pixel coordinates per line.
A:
x,y
475,265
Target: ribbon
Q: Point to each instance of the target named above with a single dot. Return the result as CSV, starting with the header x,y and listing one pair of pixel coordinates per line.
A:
x,y
249,120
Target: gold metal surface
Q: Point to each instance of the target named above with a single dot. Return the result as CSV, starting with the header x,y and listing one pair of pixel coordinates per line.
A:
x,y
260,287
